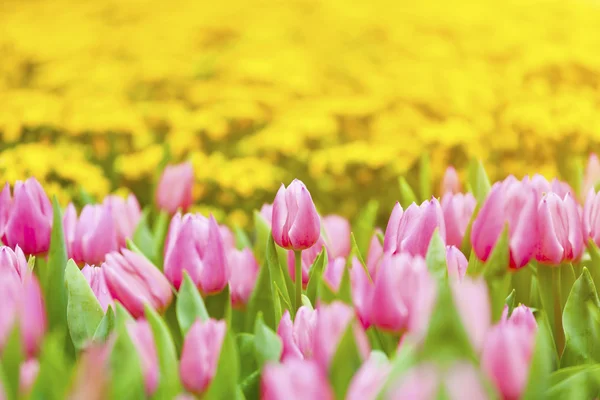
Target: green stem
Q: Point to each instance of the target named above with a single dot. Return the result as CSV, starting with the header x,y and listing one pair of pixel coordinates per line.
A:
x,y
298,275
556,283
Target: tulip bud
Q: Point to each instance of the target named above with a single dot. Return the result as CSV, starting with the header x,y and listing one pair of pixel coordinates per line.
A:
x,y
591,217
414,228
592,174
457,262
450,182
308,258
194,244
458,209
134,282
296,224
332,321
174,189
473,305
244,271
28,373
126,216
200,354
337,230
30,221
560,230
141,335
97,281
509,202
369,380
294,380
298,337
521,316
375,254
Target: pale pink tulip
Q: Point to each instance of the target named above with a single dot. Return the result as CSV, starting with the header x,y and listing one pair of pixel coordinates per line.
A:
x,y
27,375
458,209
368,380
266,212
337,230
141,335
592,174
591,217
472,302
456,261
375,254
450,182
334,272
362,292
542,186
5,203
174,189
95,277
126,216
295,380
244,271
298,337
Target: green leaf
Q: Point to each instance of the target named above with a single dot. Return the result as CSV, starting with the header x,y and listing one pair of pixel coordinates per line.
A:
x,y
245,345
55,293
425,181
53,378
267,345
169,385
404,359
219,305
262,232
436,257
84,197
142,237
190,305
133,247
282,300
106,326
465,246
510,301
84,311
356,253
121,314
31,262
406,193
261,300
12,356
581,322
345,362
499,289
344,294
364,225
306,302
594,264
582,382
161,228
224,384
479,181
315,275
127,379
542,363
241,239
499,260
277,274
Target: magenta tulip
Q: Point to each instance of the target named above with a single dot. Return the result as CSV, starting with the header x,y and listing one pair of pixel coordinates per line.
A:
x,y
592,174
472,302
458,209
244,271
411,231
295,380
91,237
134,282
296,224
200,354
457,262
375,254
591,217
560,230
368,380
174,189
509,202
126,216
29,221
308,258
141,335
450,182
195,244
298,337
97,281
337,231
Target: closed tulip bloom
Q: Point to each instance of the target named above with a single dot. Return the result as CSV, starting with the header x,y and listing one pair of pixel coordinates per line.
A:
x,y
390,240
337,229
141,335
509,202
308,258
13,262
369,380
471,298
521,316
91,237
134,282
195,244
95,277
244,271
591,217
457,262
30,219
298,336
126,214
334,272
591,176
174,189
294,380
375,254
332,321
458,209
228,238
200,354
450,182
560,230
296,224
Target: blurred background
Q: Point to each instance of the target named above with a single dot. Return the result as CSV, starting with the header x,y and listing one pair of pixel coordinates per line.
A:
x,y
346,96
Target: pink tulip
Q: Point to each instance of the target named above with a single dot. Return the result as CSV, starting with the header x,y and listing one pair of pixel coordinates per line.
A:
x,y
375,254
30,218
591,217
472,302
308,258
368,380
13,263
91,382
296,224
294,380
362,292
174,189
93,236
403,295
298,337
337,230
5,202
126,216
244,271
97,281
450,182
457,262
266,212
134,282
521,316
195,244
332,321
560,230
592,174
509,202
28,373
143,340
419,383
334,272
200,354
228,238
542,186
458,209
412,231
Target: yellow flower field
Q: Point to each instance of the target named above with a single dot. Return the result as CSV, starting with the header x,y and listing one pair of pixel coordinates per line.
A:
x,y
344,95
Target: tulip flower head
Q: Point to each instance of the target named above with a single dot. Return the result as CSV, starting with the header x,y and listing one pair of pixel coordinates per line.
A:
x,y
471,298
97,281
143,340
308,258
375,254
266,211
126,216
450,182
298,337
591,217
457,262
458,209
296,224
244,271
369,380
592,173
337,230
295,380
174,189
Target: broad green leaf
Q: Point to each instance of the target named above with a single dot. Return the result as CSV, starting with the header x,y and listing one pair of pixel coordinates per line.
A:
x,y
84,311
542,363
356,253
581,321
55,293
315,275
406,193
54,376
12,356
364,225
224,384
121,314
345,362
127,380
594,264
190,305
479,180
106,325
262,232
386,342
250,385
219,305
161,228
142,237
277,273
262,300
282,302
499,288
267,345
168,365
241,239
245,345
436,257
510,301
306,302
425,181
133,247
583,384
521,283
